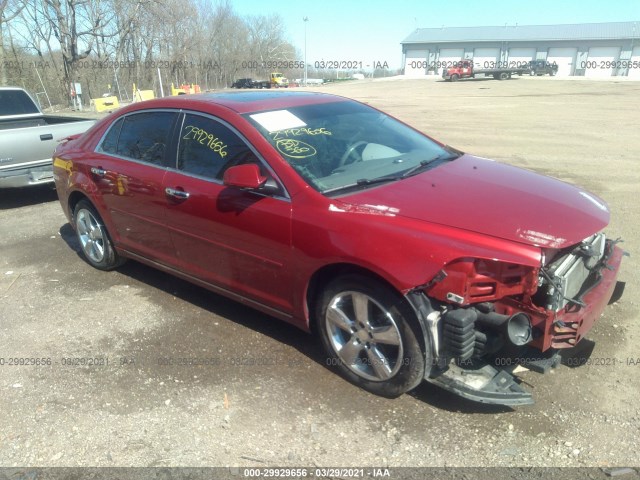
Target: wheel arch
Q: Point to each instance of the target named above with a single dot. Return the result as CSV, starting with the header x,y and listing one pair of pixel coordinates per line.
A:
x,y
110,257
327,273
414,301
74,198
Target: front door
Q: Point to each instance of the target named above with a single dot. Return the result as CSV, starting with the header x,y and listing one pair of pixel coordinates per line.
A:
x,y
238,240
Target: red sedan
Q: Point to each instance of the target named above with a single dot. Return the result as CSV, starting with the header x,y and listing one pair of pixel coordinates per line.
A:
x,y
409,259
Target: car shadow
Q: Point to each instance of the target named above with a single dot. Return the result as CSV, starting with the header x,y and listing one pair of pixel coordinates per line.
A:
x,y
68,234
264,324
209,301
11,198
579,355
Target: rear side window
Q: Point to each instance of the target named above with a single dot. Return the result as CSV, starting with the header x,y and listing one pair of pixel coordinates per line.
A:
x,y
110,142
207,148
16,102
141,136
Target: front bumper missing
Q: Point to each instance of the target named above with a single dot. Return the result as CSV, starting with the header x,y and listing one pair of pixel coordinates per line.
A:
x,y
568,328
490,384
484,385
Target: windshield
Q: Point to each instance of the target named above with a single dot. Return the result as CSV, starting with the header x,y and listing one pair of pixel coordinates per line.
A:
x,y
344,145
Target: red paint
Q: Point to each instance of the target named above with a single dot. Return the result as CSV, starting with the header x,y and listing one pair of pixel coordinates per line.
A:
x,y
267,248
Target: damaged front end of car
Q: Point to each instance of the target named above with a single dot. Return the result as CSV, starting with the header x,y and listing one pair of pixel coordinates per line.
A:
x,y
483,318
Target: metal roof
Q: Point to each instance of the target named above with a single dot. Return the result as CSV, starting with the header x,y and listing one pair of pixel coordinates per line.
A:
x,y
511,33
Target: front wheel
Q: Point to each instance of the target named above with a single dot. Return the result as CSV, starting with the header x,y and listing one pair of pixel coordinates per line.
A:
x,y
94,239
371,336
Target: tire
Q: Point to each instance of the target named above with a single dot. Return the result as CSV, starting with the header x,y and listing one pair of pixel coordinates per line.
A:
x,y
455,77
380,349
552,73
532,73
95,242
504,76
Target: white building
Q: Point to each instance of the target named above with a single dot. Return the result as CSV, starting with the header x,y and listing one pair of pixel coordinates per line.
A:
x,y
589,49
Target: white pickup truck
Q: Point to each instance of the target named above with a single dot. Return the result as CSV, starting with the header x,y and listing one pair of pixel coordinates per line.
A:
x,y
28,138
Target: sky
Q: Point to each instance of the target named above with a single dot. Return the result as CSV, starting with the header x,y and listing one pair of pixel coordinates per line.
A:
x,y
371,30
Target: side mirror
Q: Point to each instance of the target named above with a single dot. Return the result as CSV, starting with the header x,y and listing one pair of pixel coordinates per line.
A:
x,y
244,176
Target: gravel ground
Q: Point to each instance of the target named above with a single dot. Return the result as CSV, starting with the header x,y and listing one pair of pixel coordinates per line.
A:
x,y
261,394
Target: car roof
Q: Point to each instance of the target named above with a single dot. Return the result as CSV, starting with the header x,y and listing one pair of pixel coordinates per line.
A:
x,y
246,102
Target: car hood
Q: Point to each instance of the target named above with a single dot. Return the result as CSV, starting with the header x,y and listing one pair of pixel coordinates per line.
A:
x,y
491,198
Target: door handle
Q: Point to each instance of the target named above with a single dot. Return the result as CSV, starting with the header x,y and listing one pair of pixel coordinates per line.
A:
x,y
98,171
46,136
172,192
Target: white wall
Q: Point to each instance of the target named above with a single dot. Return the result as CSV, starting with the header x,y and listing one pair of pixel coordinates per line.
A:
x,y
415,64
565,58
598,60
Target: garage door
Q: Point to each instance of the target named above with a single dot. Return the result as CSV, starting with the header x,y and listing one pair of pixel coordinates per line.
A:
x,y
565,58
601,60
519,57
448,56
486,58
635,57
415,64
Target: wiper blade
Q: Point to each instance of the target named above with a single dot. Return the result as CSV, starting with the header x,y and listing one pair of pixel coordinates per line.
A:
x,y
417,168
363,182
371,181
426,163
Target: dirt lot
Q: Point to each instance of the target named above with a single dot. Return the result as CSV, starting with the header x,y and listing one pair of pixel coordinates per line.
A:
x,y
270,400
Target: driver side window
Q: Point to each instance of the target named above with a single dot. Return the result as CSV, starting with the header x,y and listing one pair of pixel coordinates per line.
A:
x,y
207,148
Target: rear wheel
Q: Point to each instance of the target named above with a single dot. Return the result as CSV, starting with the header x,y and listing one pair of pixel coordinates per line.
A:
x,y
505,76
371,336
94,239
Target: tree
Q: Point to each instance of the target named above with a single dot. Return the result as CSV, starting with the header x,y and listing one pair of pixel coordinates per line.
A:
x,y
9,9
76,24
99,42
36,34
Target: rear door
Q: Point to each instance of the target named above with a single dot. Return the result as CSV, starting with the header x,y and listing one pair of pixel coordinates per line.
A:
x,y
234,239
129,171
